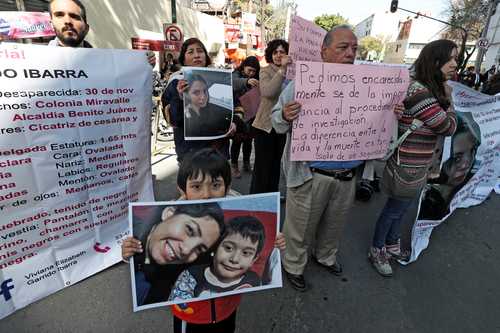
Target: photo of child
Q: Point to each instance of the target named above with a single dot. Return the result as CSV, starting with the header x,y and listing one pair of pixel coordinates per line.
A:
x,y
197,250
230,269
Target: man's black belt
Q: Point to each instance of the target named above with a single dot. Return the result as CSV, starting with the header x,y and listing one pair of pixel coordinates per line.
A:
x,y
343,175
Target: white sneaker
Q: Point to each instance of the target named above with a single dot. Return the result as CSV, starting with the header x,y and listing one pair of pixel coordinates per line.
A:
x,y
378,258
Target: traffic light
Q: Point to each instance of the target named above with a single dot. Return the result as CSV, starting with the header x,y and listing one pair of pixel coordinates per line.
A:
x,y
394,6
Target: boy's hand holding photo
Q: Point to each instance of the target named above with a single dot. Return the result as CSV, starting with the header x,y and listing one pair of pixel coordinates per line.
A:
x,y
130,246
280,242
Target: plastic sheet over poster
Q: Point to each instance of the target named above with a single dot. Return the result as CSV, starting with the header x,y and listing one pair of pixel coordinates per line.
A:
x,y
74,151
471,169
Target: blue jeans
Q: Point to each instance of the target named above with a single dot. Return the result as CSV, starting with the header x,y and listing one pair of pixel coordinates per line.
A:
x,y
388,227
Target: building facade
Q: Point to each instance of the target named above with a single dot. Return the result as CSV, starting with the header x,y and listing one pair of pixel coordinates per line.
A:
x,y
403,36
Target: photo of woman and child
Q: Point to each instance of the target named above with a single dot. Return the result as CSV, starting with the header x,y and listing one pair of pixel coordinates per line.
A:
x,y
207,103
455,171
202,250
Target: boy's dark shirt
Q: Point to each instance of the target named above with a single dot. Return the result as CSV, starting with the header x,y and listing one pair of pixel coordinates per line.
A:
x,y
250,279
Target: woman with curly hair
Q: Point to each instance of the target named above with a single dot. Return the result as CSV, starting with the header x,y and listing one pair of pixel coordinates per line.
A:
x,y
269,144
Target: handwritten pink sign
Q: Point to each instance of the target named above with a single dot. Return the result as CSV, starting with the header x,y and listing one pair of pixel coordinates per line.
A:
x,y
305,39
250,103
15,25
347,110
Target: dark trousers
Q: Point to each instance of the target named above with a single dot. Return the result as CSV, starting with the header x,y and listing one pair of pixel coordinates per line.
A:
x,y
388,227
227,325
235,149
266,169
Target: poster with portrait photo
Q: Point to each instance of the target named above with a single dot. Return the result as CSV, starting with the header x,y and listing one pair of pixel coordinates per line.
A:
x,y
208,103
457,168
203,249
470,165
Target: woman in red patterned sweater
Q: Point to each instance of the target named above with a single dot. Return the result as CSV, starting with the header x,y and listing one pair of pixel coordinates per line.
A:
x,y
429,100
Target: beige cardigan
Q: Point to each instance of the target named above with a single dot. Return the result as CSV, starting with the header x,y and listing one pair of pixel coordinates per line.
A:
x,y
270,88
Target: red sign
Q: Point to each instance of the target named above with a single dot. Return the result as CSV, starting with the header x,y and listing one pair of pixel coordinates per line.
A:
x,y
232,33
25,25
148,44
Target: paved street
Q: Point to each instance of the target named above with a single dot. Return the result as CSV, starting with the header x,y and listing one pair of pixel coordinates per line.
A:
x,y
453,287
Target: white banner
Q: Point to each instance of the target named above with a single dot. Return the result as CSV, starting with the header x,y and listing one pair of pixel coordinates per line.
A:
x,y
470,167
74,150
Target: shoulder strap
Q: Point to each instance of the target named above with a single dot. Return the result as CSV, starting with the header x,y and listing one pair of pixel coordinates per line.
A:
x,y
415,124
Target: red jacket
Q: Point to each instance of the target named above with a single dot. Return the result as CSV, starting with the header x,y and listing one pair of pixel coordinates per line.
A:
x,y
206,312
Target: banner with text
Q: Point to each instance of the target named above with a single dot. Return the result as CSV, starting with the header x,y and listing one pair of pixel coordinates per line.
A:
x,y
305,40
74,151
347,110
471,164
15,25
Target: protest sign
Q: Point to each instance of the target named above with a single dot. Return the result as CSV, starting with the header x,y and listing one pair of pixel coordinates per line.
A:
x,y
208,103
248,22
347,110
14,25
305,40
245,260
472,167
148,44
250,102
74,150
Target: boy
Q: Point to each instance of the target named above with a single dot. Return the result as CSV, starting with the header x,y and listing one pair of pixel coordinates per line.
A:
x,y
203,174
230,270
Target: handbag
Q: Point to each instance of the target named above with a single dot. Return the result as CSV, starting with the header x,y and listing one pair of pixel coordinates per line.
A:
x,y
403,182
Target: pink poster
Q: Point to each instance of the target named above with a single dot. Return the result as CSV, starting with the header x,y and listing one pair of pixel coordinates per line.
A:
x,y
347,110
250,103
15,25
305,39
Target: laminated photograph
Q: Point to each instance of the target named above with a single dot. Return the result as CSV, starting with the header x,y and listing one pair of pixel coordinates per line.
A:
x,y
204,249
208,103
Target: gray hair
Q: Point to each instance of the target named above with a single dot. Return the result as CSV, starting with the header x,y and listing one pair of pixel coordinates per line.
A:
x,y
329,35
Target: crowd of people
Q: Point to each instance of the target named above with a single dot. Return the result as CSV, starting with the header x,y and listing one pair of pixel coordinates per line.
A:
x,y
319,194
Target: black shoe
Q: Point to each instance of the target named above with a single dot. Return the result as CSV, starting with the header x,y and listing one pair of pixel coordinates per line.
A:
x,y
297,281
335,269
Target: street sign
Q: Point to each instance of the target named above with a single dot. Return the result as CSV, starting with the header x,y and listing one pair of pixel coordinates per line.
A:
x,y
173,37
483,43
173,33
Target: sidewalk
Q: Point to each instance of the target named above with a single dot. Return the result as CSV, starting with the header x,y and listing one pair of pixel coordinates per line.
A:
x,y
453,287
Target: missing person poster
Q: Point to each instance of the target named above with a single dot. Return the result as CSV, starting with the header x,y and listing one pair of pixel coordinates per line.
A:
x,y
208,103
74,151
470,166
198,250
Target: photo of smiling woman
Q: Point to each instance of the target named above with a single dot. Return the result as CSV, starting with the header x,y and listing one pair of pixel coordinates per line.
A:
x,y
197,250
174,236
207,104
